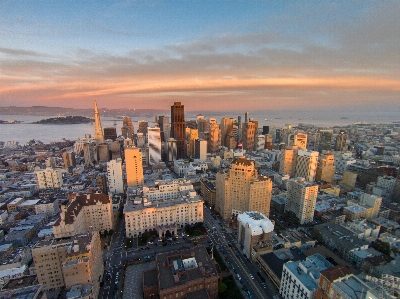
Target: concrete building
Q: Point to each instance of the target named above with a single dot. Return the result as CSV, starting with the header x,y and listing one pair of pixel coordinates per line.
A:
x,y
214,137
340,141
165,208
323,140
110,133
301,198
165,127
178,127
191,139
154,142
48,206
49,178
327,277
288,161
254,229
142,127
208,192
69,261
348,181
241,190
200,149
249,130
128,130
349,286
172,149
134,166
69,159
182,274
226,129
85,213
202,126
325,169
362,229
98,130
306,164
115,176
384,187
300,279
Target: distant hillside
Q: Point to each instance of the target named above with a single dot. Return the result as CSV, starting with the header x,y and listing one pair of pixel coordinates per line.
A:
x,y
68,120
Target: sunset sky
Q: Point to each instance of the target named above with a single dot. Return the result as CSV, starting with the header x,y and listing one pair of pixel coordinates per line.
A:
x,y
222,55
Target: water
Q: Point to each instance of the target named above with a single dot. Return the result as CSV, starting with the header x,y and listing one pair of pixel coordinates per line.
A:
x,y
52,133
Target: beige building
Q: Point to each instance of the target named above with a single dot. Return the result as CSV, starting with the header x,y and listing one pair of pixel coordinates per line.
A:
x,y
88,212
348,181
241,190
287,161
68,262
49,178
226,129
214,137
325,168
306,164
134,166
249,130
301,198
165,208
193,134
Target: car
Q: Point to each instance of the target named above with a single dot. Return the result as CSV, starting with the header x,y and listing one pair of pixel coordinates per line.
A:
x,y
150,243
264,285
251,276
238,276
249,294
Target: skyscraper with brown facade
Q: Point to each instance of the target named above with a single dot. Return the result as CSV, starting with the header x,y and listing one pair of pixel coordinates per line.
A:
x,y
178,127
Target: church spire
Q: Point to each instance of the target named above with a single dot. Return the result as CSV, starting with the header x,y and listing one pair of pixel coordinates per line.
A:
x,y
98,130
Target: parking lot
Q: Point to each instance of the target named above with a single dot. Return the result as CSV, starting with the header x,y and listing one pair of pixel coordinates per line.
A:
x,y
133,280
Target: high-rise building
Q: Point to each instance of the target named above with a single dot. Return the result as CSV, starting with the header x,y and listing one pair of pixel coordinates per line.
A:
x,y
69,159
192,136
49,178
288,160
340,142
154,139
226,129
101,183
300,140
260,145
171,149
241,190
249,130
141,140
285,132
115,177
301,198
178,127
326,279
165,127
239,131
110,133
214,141
86,212
98,130
323,140
268,142
69,261
200,149
103,152
306,164
90,153
202,126
142,127
127,130
134,166
325,169
231,142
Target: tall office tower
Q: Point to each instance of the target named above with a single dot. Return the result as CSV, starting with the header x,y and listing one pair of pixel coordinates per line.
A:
x,y
287,161
142,127
90,153
116,150
231,142
214,141
127,130
193,135
115,177
226,129
246,117
110,133
49,178
241,190
154,138
239,133
178,127
98,130
202,126
103,152
200,149
278,134
134,166
301,198
323,140
285,132
325,169
300,140
340,142
198,117
69,159
268,142
172,149
260,145
68,262
141,140
306,164
249,131
165,127
265,130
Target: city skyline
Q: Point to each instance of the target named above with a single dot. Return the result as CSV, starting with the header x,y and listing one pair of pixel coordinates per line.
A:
x,y
218,54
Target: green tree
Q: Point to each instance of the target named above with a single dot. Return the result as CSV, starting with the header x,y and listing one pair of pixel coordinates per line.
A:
x,y
221,287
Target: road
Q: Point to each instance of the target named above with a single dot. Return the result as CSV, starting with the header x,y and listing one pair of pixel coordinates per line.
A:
x,y
241,265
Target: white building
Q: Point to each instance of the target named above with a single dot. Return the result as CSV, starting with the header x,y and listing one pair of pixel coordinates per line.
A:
x,y
301,198
300,279
49,178
154,142
254,229
362,229
384,187
200,149
166,208
115,176
48,206
260,145
306,164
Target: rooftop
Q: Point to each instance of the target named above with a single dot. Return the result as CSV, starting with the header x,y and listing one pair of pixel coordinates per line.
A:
x,y
257,221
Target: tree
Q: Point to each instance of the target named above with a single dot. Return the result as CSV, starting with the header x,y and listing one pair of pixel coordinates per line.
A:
x,y
317,235
111,232
221,287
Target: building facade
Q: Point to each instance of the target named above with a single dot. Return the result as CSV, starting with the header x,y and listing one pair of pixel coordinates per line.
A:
x,y
178,127
115,176
134,166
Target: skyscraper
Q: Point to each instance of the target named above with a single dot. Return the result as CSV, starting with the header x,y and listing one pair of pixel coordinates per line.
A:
x,y
127,130
192,136
340,142
110,133
249,131
98,130
301,198
226,129
178,127
165,127
239,132
134,166
241,190
214,139
323,140
154,141
114,175
200,149
69,159
202,126
171,149
306,164
326,169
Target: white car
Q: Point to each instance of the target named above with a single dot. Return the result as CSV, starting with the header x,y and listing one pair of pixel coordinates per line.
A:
x,y
251,276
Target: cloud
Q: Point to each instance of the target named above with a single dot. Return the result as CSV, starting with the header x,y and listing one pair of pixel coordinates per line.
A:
x,y
18,52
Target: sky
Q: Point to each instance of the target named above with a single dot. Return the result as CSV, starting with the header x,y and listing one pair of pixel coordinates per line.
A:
x,y
221,55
